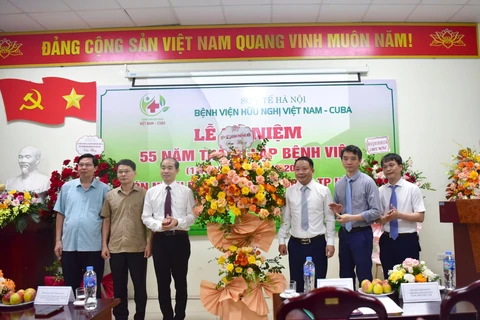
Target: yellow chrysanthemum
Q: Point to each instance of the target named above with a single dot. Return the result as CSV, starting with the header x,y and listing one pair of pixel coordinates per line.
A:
x,y
27,196
221,260
261,188
213,205
246,166
221,195
473,175
225,280
260,196
208,198
225,169
236,211
238,269
252,260
245,191
230,267
233,248
221,210
259,171
12,192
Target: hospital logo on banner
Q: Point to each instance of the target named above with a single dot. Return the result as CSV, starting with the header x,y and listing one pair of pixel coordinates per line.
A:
x,y
153,104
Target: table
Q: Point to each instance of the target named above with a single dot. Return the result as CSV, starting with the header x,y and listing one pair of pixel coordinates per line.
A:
x,y
103,312
411,311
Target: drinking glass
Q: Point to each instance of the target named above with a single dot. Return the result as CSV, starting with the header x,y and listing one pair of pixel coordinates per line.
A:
x,y
291,288
80,294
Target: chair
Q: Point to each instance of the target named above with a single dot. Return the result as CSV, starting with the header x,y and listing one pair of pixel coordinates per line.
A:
x,y
470,293
331,302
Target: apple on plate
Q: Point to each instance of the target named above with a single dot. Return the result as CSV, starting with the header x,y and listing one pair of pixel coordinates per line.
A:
x,y
367,286
29,295
15,298
377,281
378,289
363,282
6,297
387,288
21,292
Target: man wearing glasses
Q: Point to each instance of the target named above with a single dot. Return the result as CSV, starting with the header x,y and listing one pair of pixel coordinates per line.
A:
x,y
125,240
79,224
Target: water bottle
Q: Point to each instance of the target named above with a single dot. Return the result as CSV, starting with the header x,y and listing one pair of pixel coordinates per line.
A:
x,y
308,275
90,284
449,270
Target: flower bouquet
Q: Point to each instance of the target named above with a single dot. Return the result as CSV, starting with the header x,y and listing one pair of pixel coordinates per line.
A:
x,y
248,263
371,167
106,172
464,173
410,271
246,277
240,182
17,206
6,285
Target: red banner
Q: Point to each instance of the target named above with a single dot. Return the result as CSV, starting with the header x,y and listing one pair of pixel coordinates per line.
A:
x,y
195,43
49,102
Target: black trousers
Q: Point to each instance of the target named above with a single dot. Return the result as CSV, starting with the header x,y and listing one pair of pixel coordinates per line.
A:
x,y
298,253
170,258
121,264
75,263
394,252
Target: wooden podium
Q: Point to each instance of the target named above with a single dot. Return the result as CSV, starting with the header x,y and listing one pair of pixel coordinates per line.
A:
x,y
465,216
24,256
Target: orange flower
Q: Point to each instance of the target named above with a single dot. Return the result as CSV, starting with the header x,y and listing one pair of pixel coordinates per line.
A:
x,y
420,278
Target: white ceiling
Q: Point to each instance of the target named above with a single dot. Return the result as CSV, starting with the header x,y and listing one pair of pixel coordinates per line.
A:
x,y
40,15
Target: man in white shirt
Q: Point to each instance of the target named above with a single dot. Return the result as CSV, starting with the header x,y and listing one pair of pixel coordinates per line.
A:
x,y
29,179
309,221
168,211
402,207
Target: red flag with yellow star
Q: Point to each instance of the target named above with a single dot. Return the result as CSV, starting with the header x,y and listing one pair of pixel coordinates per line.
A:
x,y
49,102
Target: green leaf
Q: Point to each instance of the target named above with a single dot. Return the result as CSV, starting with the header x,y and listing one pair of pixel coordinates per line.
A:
x,y
162,101
165,109
35,217
20,224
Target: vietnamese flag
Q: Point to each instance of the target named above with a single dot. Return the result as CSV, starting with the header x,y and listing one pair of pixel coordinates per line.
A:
x,y
49,102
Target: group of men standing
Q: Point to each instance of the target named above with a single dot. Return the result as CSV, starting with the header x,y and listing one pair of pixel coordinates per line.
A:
x,y
310,214
129,224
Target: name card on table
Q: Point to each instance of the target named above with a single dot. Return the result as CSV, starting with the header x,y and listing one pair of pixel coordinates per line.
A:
x,y
420,292
58,296
338,283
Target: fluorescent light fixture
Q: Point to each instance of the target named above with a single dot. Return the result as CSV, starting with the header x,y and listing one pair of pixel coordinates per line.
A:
x,y
236,73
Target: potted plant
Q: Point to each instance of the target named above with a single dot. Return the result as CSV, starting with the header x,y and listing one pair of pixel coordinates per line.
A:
x,y
56,277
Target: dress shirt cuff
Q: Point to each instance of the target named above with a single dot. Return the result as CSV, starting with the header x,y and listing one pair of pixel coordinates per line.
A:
x,y
330,241
281,241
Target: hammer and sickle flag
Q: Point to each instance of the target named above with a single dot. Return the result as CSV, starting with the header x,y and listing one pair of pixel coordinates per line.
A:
x,y
49,102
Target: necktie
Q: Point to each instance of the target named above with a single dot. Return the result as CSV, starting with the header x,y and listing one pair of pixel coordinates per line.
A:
x,y
168,203
304,208
348,206
393,223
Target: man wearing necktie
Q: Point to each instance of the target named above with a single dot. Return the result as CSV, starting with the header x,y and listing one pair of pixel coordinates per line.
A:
x,y
310,222
357,206
403,207
168,211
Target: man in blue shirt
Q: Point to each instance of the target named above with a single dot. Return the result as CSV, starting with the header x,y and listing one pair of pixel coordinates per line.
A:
x,y
79,224
357,206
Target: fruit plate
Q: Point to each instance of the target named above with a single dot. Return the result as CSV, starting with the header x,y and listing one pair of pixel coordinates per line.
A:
x,y
376,295
23,304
